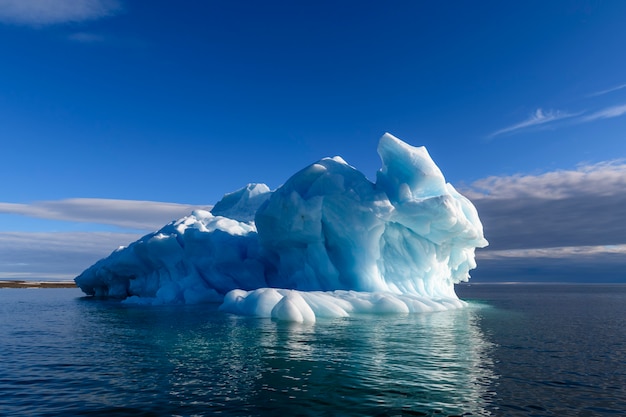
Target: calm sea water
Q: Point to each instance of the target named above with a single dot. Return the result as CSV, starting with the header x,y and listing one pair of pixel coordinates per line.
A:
x,y
517,350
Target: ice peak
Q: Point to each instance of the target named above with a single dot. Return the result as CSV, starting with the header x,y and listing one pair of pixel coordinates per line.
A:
x,y
407,172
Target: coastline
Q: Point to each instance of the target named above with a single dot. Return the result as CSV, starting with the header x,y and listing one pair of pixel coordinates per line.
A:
x,y
37,284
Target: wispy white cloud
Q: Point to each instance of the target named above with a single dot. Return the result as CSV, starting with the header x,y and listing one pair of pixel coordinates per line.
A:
x,y
607,113
50,12
609,90
132,214
539,117
543,118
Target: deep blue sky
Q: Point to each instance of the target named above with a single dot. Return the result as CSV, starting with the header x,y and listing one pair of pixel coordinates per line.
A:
x,y
182,102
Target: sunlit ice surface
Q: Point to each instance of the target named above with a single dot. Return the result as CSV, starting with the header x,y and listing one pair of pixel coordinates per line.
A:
x,y
328,243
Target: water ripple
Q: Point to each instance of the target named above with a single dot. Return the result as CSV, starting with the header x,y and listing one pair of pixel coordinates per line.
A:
x,y
89,358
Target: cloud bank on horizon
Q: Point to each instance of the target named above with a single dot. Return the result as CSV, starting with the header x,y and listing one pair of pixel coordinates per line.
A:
x,y
566,224
54,256
126,214
551,210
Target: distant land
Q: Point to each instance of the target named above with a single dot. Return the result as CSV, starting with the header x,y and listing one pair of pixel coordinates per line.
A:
x,y
36,284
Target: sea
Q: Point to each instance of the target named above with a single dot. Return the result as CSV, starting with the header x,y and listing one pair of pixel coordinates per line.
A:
x,y
515,350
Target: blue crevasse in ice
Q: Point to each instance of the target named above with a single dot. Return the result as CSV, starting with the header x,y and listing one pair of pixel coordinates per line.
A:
x,y
327,243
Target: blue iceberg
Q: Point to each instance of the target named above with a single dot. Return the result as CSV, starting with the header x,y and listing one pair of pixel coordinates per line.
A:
x,y
327,243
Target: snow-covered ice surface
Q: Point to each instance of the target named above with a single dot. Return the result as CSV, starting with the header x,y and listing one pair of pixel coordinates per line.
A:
x,y
327,243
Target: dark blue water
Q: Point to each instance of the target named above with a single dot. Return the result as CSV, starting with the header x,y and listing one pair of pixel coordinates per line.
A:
x,y
528,350
558,349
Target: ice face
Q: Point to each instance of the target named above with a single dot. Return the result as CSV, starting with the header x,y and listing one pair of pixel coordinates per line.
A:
x,y
327,243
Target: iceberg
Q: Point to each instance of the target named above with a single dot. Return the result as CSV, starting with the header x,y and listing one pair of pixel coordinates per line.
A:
x,y
327,243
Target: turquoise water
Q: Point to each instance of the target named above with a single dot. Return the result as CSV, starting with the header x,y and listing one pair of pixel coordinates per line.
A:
x,y
516,350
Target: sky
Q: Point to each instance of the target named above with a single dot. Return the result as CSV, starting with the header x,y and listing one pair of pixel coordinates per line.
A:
x,y
118,116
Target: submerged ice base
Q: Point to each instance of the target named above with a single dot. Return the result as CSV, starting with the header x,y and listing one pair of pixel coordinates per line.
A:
x,y
327,243
308,306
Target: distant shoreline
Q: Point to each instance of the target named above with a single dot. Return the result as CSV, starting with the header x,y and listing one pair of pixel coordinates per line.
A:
x,y
37,284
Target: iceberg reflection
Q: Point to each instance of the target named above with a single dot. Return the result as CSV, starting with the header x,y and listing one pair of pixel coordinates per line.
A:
x,y
426,363
189,361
